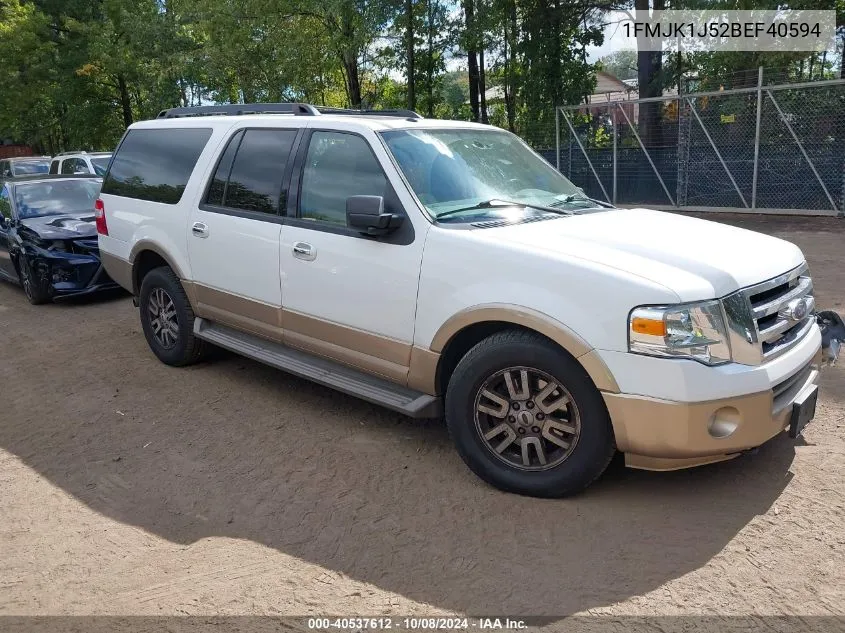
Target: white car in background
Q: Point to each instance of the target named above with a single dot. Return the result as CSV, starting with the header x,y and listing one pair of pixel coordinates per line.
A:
x,y
78,163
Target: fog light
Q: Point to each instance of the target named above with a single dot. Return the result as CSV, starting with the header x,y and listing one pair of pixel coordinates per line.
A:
x,y
723,422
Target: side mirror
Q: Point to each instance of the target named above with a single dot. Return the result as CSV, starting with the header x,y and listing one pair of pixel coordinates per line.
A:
x,y
367,214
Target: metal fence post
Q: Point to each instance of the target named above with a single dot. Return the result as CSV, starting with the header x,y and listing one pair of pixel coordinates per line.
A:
x,y
586,156
557,137
757,138
613,123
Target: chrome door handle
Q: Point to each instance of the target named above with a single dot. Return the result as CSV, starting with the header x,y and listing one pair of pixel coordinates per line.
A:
x,y
200,229
303,250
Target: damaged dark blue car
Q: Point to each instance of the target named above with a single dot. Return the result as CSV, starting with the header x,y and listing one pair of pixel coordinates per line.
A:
x,y
48,238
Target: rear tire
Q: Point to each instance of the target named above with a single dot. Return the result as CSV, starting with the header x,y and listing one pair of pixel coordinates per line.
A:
x,y
526,417
168,319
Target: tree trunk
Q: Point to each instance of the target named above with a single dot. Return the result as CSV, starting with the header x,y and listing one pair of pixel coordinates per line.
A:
x,y
353,81
409,52
125,103
472,59
482,86
429,71
510,56
649,64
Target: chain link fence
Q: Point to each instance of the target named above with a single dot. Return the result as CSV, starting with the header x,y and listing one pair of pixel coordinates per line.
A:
x,y
766,149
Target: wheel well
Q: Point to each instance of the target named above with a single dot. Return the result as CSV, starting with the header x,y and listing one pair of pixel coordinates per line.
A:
x,y
144,263
465,340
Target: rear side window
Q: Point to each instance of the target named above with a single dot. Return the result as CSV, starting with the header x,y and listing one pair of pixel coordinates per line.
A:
x,y
250,172
54,167
155,165
74,165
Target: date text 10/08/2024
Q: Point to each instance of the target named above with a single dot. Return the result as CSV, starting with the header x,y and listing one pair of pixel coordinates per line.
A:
x,y
415,624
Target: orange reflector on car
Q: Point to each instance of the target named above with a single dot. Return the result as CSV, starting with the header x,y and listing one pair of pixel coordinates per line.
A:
x,y
652,327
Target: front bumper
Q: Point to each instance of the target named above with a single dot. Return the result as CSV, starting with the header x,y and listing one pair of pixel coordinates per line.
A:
x,y
657,433
62,275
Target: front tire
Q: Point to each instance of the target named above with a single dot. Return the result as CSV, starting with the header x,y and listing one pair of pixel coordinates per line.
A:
x,y
527,418
34,293
168,320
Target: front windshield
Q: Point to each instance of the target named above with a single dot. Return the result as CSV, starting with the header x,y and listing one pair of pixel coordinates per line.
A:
x,y
454,169
56,197
26,167
101,163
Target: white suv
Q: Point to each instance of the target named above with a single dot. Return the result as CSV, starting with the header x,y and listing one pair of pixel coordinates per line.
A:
x,y
80,163
444,267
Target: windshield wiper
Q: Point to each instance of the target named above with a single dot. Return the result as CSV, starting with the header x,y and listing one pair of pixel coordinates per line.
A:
x,y
496,203
573,198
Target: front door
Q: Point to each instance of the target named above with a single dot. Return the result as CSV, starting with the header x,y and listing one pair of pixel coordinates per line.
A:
x,y
7,269
346,296
233,234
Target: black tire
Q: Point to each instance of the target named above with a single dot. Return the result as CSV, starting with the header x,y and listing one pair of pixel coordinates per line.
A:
x,y
593,449
186,349
34,294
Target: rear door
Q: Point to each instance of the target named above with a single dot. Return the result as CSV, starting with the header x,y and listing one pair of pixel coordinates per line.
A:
x,y
234,231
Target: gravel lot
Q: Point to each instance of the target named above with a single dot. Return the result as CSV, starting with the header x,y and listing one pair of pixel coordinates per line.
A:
x,y
128,487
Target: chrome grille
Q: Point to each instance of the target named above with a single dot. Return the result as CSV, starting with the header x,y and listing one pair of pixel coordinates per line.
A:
x,y
762,318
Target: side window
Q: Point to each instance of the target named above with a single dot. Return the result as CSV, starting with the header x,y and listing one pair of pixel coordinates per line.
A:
x,y
217,190
155,164
255,177
5,205
69,165
54,167
338,165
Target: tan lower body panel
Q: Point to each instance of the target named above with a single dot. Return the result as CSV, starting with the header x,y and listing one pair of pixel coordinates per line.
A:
x,y
118,269
665,435
368,352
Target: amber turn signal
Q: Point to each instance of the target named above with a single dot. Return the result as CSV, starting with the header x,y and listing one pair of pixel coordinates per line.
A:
x,y
652,327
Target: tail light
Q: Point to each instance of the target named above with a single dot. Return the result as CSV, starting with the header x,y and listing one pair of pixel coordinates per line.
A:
x,y
100,217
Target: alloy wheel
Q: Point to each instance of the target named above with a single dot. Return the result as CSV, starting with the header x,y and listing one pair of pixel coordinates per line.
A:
x,y
163,320
527,418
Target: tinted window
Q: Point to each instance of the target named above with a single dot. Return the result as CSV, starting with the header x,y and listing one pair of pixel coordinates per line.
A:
x,y
101,164
255,181
221,174
54,167
73,165
155,164
56,197
337,166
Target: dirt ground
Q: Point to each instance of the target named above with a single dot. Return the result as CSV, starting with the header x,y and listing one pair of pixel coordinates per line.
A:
x,y
128,487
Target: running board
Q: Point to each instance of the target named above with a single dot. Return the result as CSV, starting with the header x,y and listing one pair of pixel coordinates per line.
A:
x,y
321,370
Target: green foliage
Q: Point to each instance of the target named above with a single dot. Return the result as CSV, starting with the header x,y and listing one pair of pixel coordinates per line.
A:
x,y
621,64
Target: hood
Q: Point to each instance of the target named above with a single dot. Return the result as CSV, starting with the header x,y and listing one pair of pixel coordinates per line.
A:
x,y
696,259
69,226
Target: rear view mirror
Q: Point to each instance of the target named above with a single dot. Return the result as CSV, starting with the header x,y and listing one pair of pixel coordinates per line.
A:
x,y
367,214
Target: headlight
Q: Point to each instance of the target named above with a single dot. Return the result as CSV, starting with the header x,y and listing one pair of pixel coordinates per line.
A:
x,y
693,330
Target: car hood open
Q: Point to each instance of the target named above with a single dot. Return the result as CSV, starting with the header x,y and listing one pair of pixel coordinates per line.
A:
x,y
697,259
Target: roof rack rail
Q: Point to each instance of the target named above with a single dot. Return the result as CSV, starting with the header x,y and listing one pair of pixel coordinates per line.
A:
x,y
407,114
71,152
297,109
236,109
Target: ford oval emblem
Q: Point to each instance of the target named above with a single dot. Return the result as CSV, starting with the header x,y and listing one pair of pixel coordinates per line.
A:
x,y
797,309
